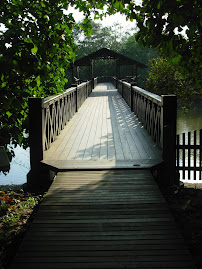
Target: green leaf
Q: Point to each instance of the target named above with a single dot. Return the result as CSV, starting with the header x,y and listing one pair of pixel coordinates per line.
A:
x,y
174,60
15,62
3,84
9,114
38,81
20,138
34,49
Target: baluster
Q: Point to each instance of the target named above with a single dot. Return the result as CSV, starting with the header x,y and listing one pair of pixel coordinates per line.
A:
x,y
183,154
135,102
147,114
158,119
200,153
48,127
45,144
195,154
53,122
178,151
189,155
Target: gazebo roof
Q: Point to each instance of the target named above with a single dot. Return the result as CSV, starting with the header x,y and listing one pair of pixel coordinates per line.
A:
x,y
106,54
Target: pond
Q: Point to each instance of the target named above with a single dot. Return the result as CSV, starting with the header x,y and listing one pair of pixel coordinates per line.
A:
x,y
19,167
20,164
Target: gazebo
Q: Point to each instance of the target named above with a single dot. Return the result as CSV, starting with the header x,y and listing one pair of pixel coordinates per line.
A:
x,y
106,54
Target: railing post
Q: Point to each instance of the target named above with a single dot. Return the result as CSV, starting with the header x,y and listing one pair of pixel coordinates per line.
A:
x,y
131,95
86,89
75,85
122,86
168,118
36,123
93,83
39,177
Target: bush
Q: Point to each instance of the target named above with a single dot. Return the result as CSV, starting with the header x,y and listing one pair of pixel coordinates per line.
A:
x,y
165,78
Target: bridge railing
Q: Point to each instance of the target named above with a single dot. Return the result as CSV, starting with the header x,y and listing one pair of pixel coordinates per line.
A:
x,y
48,116
158,116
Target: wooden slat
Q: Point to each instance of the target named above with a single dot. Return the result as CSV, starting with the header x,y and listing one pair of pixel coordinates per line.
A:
x,y
103,129
103,219
188,155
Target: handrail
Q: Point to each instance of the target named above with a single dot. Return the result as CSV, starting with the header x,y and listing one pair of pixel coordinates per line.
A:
x,y
48,116
50,99
151,96
158,116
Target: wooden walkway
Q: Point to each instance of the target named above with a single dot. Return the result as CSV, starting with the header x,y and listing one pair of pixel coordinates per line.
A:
x,y
104,133
103,219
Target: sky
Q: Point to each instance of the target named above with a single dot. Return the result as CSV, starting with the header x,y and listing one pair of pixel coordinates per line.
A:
x,y
108,21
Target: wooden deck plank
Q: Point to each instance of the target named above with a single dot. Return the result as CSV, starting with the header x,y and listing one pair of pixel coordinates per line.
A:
x,y
92,129
103,219
104,129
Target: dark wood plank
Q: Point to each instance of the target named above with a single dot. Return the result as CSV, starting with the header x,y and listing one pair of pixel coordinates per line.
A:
x,y
103,219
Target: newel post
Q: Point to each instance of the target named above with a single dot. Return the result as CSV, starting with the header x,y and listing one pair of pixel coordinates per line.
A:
x,y
131,95
76,96
168,117
36,142
40,176
36,125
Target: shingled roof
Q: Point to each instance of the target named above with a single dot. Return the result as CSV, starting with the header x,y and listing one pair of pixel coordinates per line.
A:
x,y
106,54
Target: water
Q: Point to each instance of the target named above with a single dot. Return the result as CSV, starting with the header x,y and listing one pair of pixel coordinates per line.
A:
x,y
19,167
190,121
20,164
186,123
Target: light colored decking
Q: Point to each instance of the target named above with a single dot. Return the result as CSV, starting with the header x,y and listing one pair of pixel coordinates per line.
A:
x,y
105,130
103,219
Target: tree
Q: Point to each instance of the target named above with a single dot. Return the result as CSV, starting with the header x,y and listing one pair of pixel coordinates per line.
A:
x,y
115,38
111,37
132,49
167,79
36,47
162,24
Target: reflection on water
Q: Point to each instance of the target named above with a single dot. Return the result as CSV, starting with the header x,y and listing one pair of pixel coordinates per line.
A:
x,y
190,121
186,123
20,166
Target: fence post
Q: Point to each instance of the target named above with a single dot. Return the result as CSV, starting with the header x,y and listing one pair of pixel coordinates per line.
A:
x,y
122,86
86,89
39,177
93,83
168,118
131,95
36,131
75,85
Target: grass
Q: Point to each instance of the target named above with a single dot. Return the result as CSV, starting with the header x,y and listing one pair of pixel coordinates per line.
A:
x,y
16,213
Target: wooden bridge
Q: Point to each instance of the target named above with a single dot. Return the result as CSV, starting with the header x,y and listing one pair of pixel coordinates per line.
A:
x,y
104,209
104,134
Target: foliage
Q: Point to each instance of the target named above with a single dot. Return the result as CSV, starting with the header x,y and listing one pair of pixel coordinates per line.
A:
x,y
167,79
174,27
133,50
111,37
14,205
115,38
16,208
36,47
